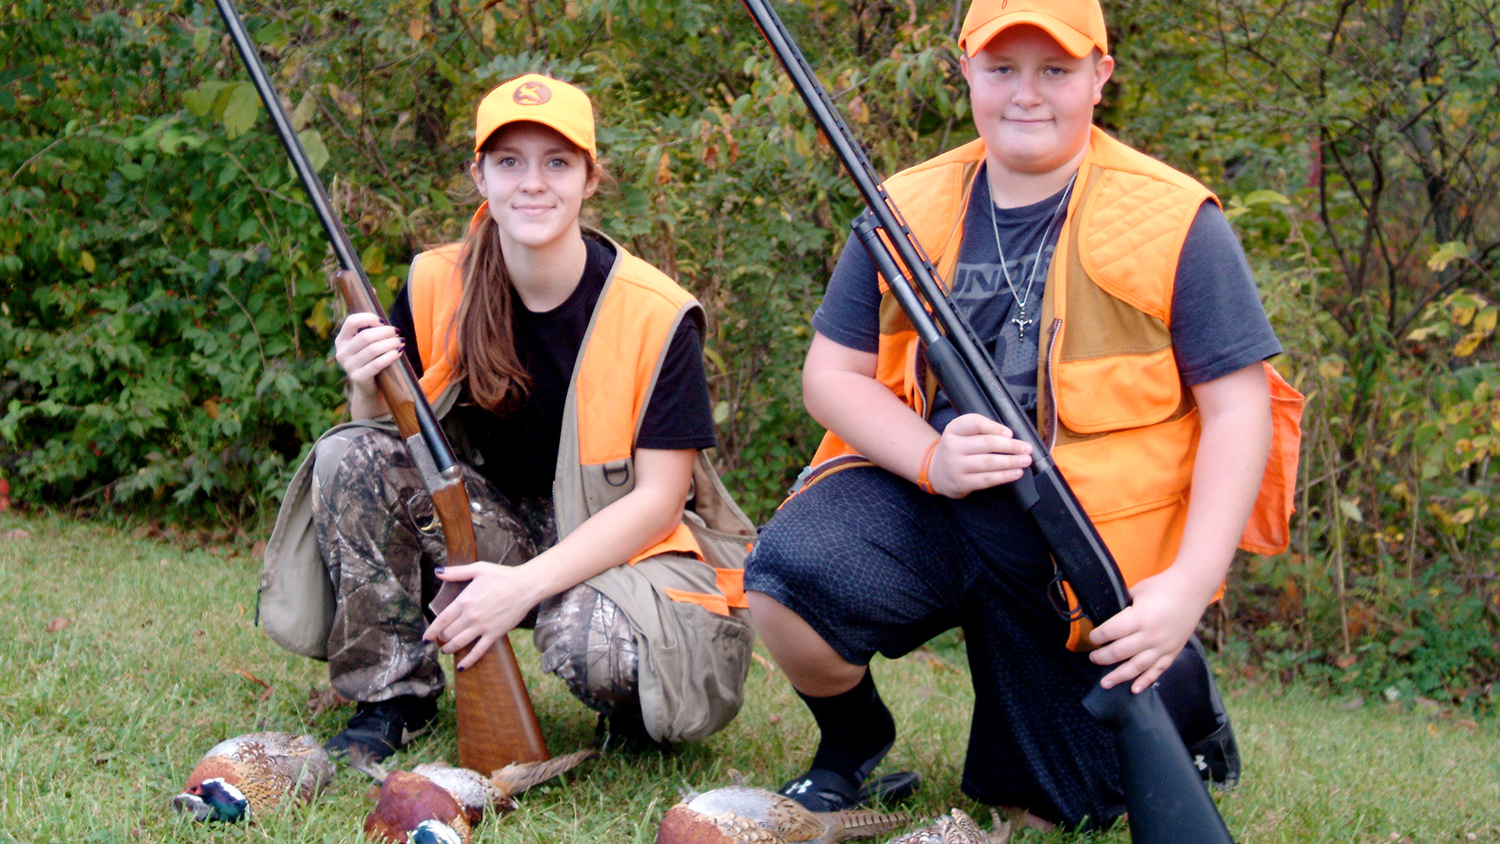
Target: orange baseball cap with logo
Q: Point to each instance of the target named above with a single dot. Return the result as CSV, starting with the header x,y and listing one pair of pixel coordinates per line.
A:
x,y
1078,25
537,99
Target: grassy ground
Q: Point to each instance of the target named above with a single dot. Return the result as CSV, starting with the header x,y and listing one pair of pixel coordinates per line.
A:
x,y
124,659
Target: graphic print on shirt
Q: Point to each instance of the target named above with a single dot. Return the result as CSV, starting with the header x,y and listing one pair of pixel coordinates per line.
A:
x,y
981,294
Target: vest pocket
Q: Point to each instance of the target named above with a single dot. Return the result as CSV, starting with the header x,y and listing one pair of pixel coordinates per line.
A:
x,y
1132,470
1143,540
1104,394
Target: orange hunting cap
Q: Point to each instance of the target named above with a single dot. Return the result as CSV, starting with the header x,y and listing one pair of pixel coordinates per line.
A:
x,y
537,99
1078,25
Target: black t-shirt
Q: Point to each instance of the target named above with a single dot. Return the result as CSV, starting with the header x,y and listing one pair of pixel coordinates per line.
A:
x,y
1218,324
520,448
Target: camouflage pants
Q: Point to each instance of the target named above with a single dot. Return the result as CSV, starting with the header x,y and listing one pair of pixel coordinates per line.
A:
x,y
380,539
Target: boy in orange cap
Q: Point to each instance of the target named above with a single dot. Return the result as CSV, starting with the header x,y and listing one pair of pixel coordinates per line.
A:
x,y
1119,309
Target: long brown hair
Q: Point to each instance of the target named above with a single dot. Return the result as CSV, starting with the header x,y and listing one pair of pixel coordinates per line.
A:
x,y
483,350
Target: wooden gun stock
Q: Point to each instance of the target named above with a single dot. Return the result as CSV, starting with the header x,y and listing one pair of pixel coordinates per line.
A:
x,y
496,724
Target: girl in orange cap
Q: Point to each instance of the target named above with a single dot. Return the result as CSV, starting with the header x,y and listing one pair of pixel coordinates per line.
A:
x,y
570,376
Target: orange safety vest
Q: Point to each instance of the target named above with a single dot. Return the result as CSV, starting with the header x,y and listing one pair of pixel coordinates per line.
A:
x,y
1120,423
627,339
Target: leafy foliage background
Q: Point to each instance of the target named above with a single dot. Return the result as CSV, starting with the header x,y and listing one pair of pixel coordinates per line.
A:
x,y
165,319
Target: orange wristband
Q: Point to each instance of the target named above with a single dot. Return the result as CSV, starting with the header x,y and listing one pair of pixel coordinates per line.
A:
x,y
922,482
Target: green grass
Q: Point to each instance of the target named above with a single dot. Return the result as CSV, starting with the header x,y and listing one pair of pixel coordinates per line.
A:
x,y
153,656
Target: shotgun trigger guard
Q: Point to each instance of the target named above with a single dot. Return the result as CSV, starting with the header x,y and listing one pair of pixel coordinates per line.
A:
x,y
1059,598
419,502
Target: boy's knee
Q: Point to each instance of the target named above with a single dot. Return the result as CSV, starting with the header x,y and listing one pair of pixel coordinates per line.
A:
x,y
791,548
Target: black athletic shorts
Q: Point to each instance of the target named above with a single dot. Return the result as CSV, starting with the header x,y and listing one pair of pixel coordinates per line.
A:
x,y
875,565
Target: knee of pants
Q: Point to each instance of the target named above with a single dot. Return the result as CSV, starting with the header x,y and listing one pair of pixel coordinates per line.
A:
x,y
371,448
588,643
792,549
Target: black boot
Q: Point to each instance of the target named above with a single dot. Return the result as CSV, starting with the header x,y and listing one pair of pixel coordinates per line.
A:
x,y
1188,690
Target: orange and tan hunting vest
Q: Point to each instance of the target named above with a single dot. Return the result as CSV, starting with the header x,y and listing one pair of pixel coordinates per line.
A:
x,y
1120,422
633,323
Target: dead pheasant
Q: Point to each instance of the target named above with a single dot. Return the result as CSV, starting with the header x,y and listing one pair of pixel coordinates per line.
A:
x,y
243,776
956,827
456,797
434,832
742,815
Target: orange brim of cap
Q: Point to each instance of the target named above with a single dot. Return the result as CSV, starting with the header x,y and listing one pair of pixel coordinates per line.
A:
x,y
1076,43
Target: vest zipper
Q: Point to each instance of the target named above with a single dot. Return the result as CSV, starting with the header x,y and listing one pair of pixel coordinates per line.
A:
x,y
1051,435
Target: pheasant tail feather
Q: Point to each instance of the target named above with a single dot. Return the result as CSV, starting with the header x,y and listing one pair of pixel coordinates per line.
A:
x,y
861,823
519,776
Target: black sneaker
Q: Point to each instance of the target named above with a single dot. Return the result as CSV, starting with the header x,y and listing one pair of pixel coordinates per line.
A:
x,y
626,731
1217,757
376,730
822,790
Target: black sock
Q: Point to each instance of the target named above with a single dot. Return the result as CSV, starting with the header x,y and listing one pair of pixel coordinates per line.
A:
x,y
857,729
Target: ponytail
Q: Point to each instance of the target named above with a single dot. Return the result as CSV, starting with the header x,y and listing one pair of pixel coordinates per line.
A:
x,y
483,348
484,351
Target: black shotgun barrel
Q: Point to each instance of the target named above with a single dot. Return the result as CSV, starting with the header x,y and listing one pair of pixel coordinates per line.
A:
x,y
343,248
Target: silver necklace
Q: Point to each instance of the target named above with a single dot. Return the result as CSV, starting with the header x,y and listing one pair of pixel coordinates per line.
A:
x,y
1021,320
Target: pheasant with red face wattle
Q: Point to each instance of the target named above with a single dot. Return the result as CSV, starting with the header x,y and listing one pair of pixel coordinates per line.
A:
x,y
241,777
455,797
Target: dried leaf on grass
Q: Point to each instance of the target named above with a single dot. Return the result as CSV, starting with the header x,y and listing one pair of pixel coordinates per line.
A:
x,y
58,623
932,660
252,678
17,534
265,694
324,698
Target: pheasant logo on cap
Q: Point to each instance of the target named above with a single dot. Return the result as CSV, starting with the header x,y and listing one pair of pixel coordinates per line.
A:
x,y
532,93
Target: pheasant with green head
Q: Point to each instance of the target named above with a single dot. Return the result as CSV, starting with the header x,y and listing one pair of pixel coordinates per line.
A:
x,y
244,776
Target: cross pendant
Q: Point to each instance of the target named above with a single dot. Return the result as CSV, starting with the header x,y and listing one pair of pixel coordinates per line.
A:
x,y
1021,322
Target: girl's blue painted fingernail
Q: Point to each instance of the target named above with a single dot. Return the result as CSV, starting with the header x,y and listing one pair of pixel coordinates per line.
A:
x,y
439,570
463,668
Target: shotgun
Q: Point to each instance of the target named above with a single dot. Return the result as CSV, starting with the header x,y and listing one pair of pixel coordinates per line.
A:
x,y
1167,800
496,723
